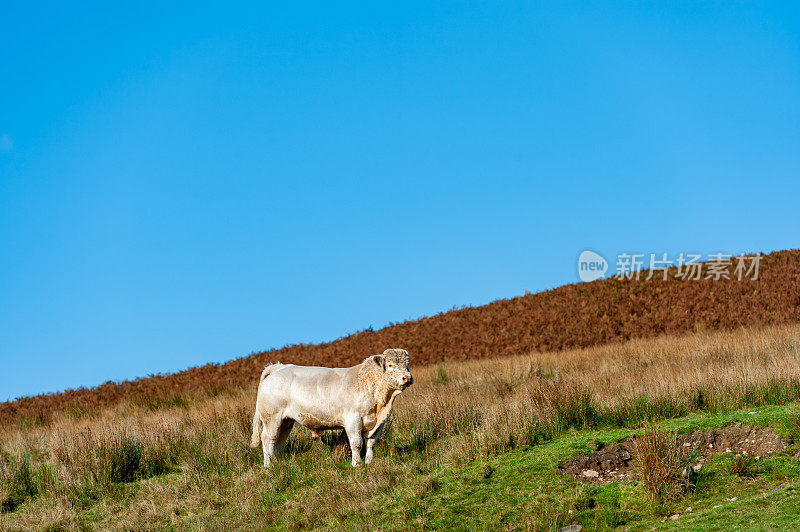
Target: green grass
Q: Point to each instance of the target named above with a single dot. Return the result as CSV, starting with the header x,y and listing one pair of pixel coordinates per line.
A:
x,y
524,491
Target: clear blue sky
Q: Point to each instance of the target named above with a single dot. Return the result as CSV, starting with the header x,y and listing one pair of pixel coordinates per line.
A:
x,y
182,184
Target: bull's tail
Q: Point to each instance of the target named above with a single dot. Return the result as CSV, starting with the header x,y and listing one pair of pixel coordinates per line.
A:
x,y
255,439
268,370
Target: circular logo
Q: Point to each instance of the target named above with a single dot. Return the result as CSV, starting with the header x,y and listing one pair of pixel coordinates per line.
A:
x,y
591,266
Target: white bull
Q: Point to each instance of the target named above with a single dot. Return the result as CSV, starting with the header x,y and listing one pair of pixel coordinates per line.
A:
x,y
356,399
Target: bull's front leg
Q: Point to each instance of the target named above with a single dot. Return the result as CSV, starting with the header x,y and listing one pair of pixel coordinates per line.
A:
x,y
353,428
371,441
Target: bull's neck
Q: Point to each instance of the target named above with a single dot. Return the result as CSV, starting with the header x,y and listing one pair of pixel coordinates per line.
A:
x,y
384,395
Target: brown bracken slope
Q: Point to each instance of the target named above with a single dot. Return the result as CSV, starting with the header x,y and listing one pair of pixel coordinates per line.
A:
x,y
578,315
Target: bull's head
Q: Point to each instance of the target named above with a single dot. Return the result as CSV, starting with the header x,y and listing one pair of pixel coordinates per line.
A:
x,y
394,363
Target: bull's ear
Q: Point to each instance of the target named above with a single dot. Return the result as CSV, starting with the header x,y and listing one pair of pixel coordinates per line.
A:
x,y
380,361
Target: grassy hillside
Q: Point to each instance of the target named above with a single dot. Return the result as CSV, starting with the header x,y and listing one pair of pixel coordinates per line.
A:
x,y
572,316
472,443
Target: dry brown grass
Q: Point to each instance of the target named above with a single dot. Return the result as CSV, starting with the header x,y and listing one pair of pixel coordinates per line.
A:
x,y
455,413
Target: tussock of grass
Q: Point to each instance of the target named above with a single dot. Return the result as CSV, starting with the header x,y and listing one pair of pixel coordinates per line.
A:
x,y
660,463
19,483
743,466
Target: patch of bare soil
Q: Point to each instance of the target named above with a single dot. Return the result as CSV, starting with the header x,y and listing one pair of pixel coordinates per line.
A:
x,y
615,462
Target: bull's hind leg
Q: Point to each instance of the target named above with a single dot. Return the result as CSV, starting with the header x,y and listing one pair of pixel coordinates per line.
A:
x,y
269,436
283,433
